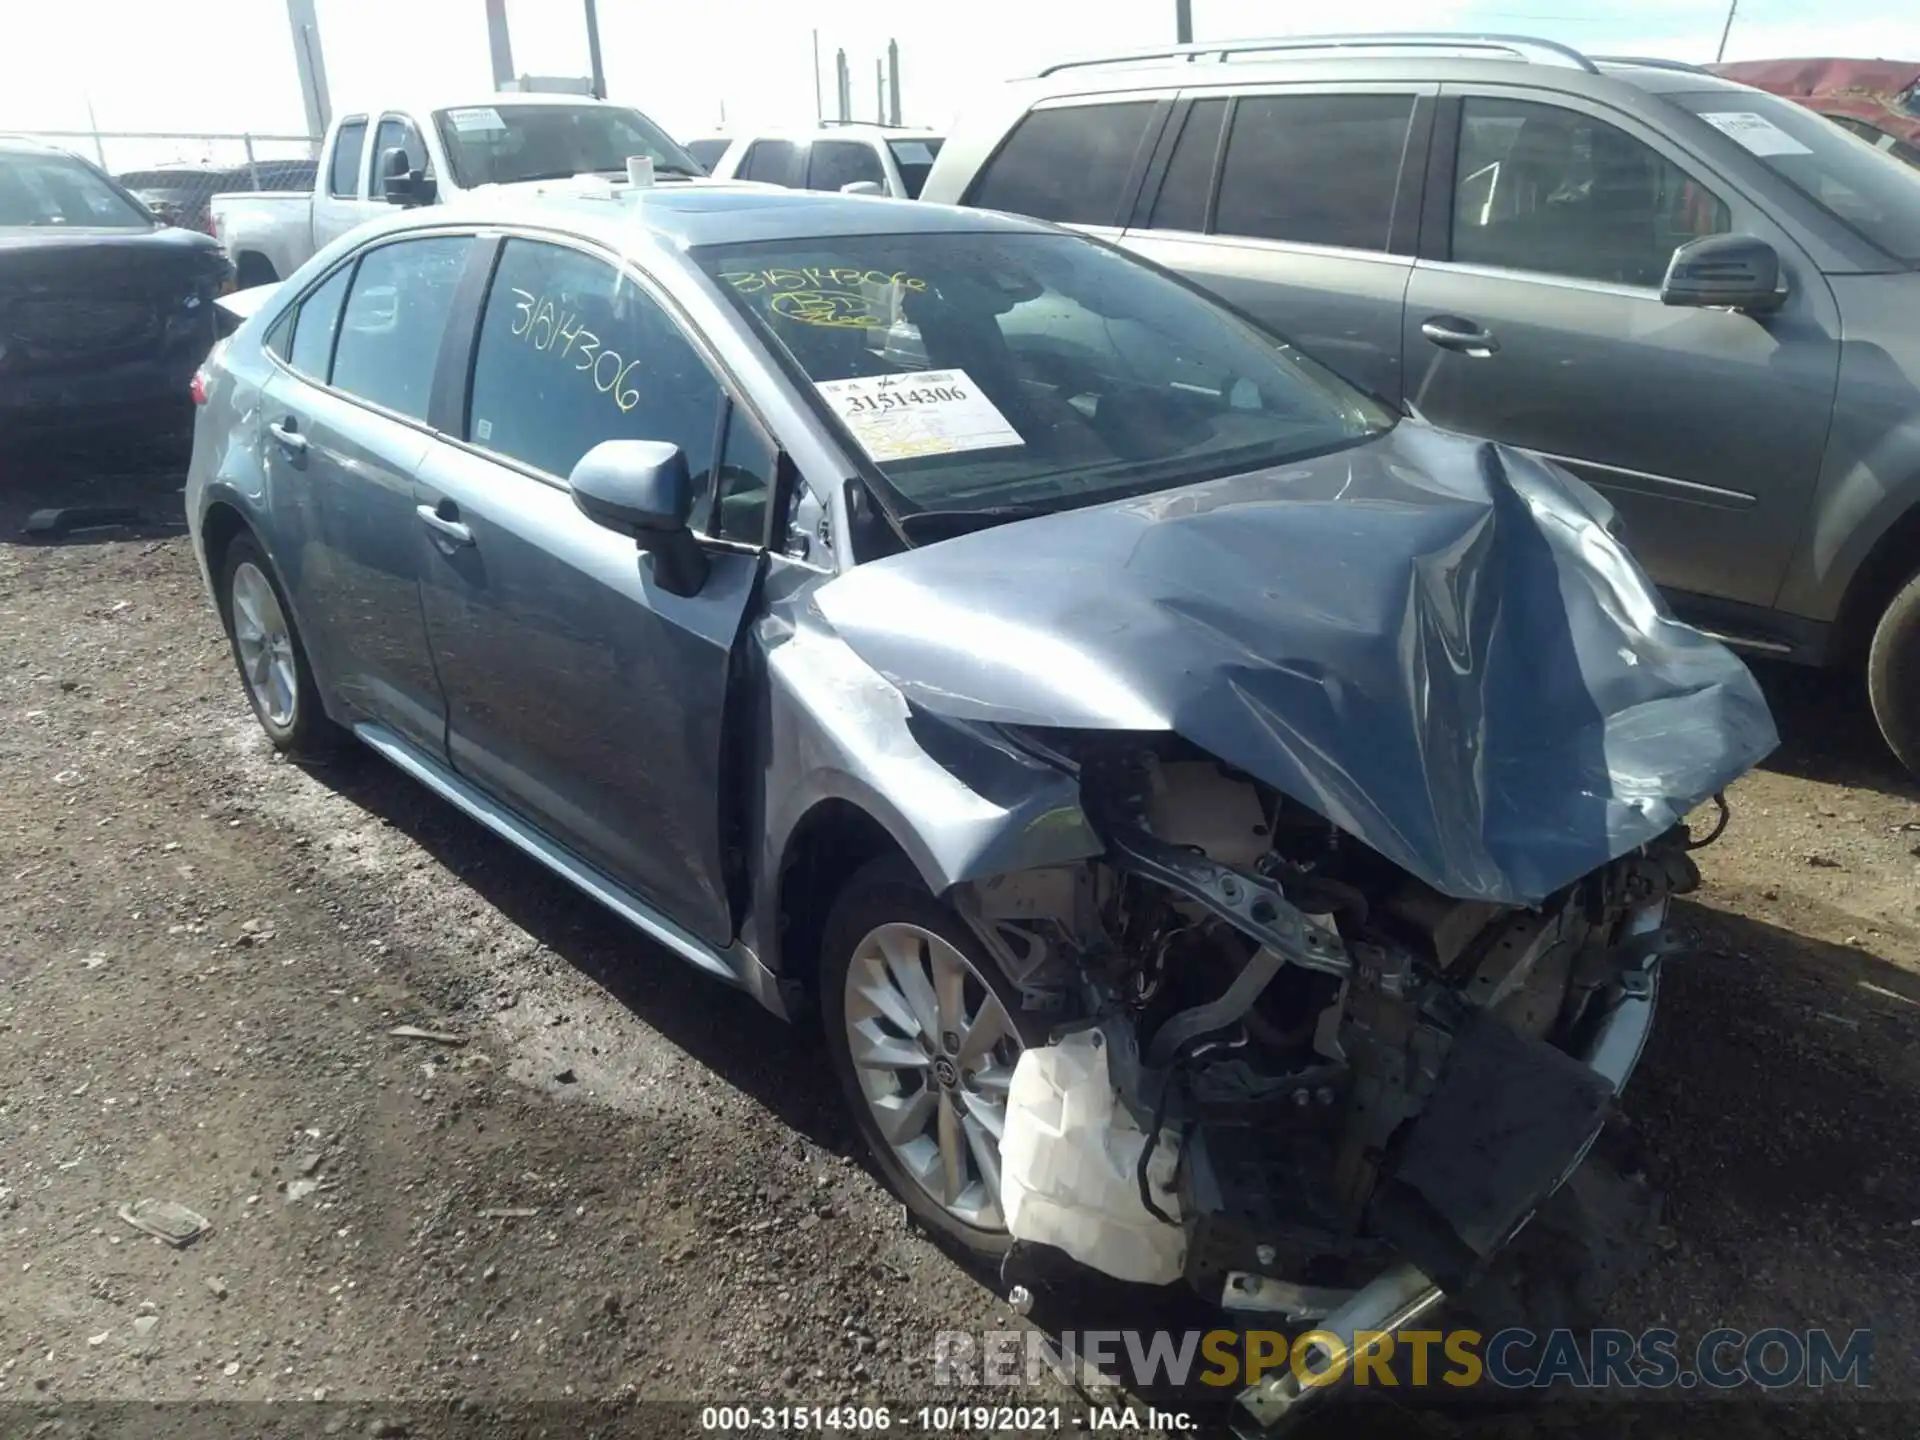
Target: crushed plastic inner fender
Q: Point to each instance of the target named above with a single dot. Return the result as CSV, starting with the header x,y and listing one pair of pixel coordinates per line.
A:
x,y
1389,754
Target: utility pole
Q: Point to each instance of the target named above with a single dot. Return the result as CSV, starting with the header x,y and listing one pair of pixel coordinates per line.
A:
x,y
1183,21
1726,30
593,52
879,89
819,105
309,65
842,86
893,82
496,41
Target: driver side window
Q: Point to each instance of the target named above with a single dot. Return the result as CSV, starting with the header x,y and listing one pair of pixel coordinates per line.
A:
x,y
573,352
1557,192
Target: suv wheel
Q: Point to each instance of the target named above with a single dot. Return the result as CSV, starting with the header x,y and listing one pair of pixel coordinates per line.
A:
x,y
920,1030
267,650
1893,675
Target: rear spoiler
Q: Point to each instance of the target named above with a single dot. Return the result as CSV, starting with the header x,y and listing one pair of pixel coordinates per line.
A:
x,y
237,306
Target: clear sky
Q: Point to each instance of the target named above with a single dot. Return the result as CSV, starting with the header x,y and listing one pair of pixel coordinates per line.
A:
x,y
211,65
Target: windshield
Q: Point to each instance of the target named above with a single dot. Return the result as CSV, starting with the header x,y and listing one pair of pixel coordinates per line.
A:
x,y
43,190
1031,371
915,158
1865,189
501,144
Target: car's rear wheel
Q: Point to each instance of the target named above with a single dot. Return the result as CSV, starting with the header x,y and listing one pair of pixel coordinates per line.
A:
x,y
1893,675
269,655
919,1025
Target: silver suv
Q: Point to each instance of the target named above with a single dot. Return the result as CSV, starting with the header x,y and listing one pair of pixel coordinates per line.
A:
x,y
1701,298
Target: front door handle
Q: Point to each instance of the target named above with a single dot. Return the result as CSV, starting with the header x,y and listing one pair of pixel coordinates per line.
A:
x,y
444,521
289,436
1450,332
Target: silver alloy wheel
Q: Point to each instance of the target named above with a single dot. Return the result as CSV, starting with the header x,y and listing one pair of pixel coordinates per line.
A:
x,y
934,1052
265,643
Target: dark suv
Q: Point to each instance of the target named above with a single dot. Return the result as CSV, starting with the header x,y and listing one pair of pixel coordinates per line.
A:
x,y
1699,297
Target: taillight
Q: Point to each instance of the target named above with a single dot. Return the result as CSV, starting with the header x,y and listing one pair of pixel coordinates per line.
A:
x,y
198,389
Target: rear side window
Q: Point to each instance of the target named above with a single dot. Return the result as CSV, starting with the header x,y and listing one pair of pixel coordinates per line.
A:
x,y
1068,164
343,177
771,161
571,353
1182,202
1315,169
315,324
834,163
395,315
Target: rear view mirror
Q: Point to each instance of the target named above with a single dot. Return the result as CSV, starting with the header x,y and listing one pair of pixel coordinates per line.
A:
x,y
641,488
1734,272
399,183
863,187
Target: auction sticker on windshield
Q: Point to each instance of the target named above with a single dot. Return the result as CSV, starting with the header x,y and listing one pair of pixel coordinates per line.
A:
x,y
930,412
1756,132
477,117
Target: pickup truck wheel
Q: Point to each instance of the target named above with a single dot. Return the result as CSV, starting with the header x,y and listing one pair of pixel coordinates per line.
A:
x,y
271,660
1893,675
920,1033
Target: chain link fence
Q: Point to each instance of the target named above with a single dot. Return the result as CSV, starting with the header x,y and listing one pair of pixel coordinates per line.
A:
x,y
177,174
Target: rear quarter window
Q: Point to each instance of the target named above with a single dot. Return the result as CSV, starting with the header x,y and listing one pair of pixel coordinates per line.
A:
x,y
1069,163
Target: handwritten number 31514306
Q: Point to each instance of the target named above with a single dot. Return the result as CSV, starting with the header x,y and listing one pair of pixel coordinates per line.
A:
x,y
537,322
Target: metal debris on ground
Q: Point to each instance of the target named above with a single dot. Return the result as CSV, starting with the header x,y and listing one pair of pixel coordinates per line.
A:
x,y
216,1286
510,1212
437,1037
175,1224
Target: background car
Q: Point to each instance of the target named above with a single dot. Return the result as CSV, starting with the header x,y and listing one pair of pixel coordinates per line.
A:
x,y
1520,241
707,149
104,312
1878,100
853,156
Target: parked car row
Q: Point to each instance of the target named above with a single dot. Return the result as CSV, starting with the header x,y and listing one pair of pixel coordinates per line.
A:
x,y
850,157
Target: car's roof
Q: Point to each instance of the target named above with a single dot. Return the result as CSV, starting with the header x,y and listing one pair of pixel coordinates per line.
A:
x,y
860,129
683,216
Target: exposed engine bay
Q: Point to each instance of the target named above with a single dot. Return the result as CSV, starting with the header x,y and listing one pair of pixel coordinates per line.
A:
x,y
1323,1073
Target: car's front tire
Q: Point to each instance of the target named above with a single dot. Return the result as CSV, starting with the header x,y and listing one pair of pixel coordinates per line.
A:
x,y
1893,675
268,652
921,1032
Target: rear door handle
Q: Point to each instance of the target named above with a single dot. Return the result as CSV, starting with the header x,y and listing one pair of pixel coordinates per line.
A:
x,y
1452,333
289,436
444,521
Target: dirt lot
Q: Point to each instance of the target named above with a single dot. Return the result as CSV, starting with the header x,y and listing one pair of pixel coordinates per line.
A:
x,y
629,1181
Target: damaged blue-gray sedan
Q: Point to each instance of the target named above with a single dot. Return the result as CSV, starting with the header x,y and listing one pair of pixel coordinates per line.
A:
x,y
1225,828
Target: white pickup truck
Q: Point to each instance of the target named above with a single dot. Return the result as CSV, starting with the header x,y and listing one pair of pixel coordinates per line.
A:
x,y
419,155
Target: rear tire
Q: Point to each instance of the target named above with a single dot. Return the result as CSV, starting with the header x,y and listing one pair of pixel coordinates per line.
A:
x,y
1893,675
269,654
945,1097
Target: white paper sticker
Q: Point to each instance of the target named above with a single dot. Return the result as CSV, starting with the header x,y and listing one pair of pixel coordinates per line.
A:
x,y
483,430
477,117
912,152
931,412
1756,132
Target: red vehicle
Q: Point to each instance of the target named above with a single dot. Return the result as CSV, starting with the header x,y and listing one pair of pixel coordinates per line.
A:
x,y
1879,100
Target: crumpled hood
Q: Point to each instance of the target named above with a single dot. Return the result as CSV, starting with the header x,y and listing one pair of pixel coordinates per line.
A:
x,y
1432,641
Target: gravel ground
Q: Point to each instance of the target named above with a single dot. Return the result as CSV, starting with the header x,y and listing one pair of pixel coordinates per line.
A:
x,y
627,1181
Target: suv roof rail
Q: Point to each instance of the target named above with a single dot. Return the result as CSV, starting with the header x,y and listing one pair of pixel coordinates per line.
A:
x,y
1651,62
830,121
1518,47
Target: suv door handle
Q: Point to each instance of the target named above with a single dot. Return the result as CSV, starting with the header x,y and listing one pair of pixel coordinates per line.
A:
x,y
444,520
289,436
1450,332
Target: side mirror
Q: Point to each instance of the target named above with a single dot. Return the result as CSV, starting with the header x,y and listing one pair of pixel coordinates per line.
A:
x,y
1733,272
863,187
399,183
641,488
